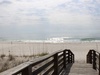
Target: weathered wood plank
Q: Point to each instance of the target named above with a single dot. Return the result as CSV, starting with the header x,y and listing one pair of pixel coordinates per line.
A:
x,y
78,69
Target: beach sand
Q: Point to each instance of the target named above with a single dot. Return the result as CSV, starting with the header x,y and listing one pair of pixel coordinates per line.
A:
x,y
80,49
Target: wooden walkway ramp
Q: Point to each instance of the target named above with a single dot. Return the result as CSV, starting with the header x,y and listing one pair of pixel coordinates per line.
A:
x,y
59,63
79,69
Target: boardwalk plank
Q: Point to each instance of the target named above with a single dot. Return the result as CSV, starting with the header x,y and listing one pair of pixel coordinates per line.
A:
x,y
80,69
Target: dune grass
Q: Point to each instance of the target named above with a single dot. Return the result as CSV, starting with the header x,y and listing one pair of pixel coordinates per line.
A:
x,y
11,61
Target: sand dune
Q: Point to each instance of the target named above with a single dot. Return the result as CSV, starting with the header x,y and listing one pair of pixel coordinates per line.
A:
x,y
80,49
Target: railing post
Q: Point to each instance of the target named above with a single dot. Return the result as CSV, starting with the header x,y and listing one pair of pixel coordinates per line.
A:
x,y
64,58
89,57
99,63
68,56
27,71
56,64
73,58
94,59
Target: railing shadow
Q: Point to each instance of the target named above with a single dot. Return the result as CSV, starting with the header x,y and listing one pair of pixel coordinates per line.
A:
x,y
67,69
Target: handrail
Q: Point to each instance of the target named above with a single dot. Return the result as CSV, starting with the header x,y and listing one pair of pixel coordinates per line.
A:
x,y
52,64
93,57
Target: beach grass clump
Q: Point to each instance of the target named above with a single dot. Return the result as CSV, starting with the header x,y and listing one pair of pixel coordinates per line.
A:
x,y
25,56
2,56
42,54
12,61
11,57
4,67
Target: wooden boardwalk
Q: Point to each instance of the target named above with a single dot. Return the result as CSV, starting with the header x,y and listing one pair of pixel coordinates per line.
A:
x,y
59,63
79,69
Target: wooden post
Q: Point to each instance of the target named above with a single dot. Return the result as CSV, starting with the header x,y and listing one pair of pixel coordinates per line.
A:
x,y
27,71
94,59
99,63
90,56
64,58
73,58
88,59
56,64
68,56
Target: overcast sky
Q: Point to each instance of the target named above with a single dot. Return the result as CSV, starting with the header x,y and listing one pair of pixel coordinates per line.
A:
x,y
40,19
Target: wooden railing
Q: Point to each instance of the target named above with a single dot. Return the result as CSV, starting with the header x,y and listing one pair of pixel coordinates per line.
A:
x,y
52,64
93,57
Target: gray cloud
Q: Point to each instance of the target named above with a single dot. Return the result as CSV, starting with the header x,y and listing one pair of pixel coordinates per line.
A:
x,y
49,18
5,2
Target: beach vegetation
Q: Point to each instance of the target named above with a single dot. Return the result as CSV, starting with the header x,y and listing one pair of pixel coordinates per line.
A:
x,y
12,61
2,56
11,57
42,54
